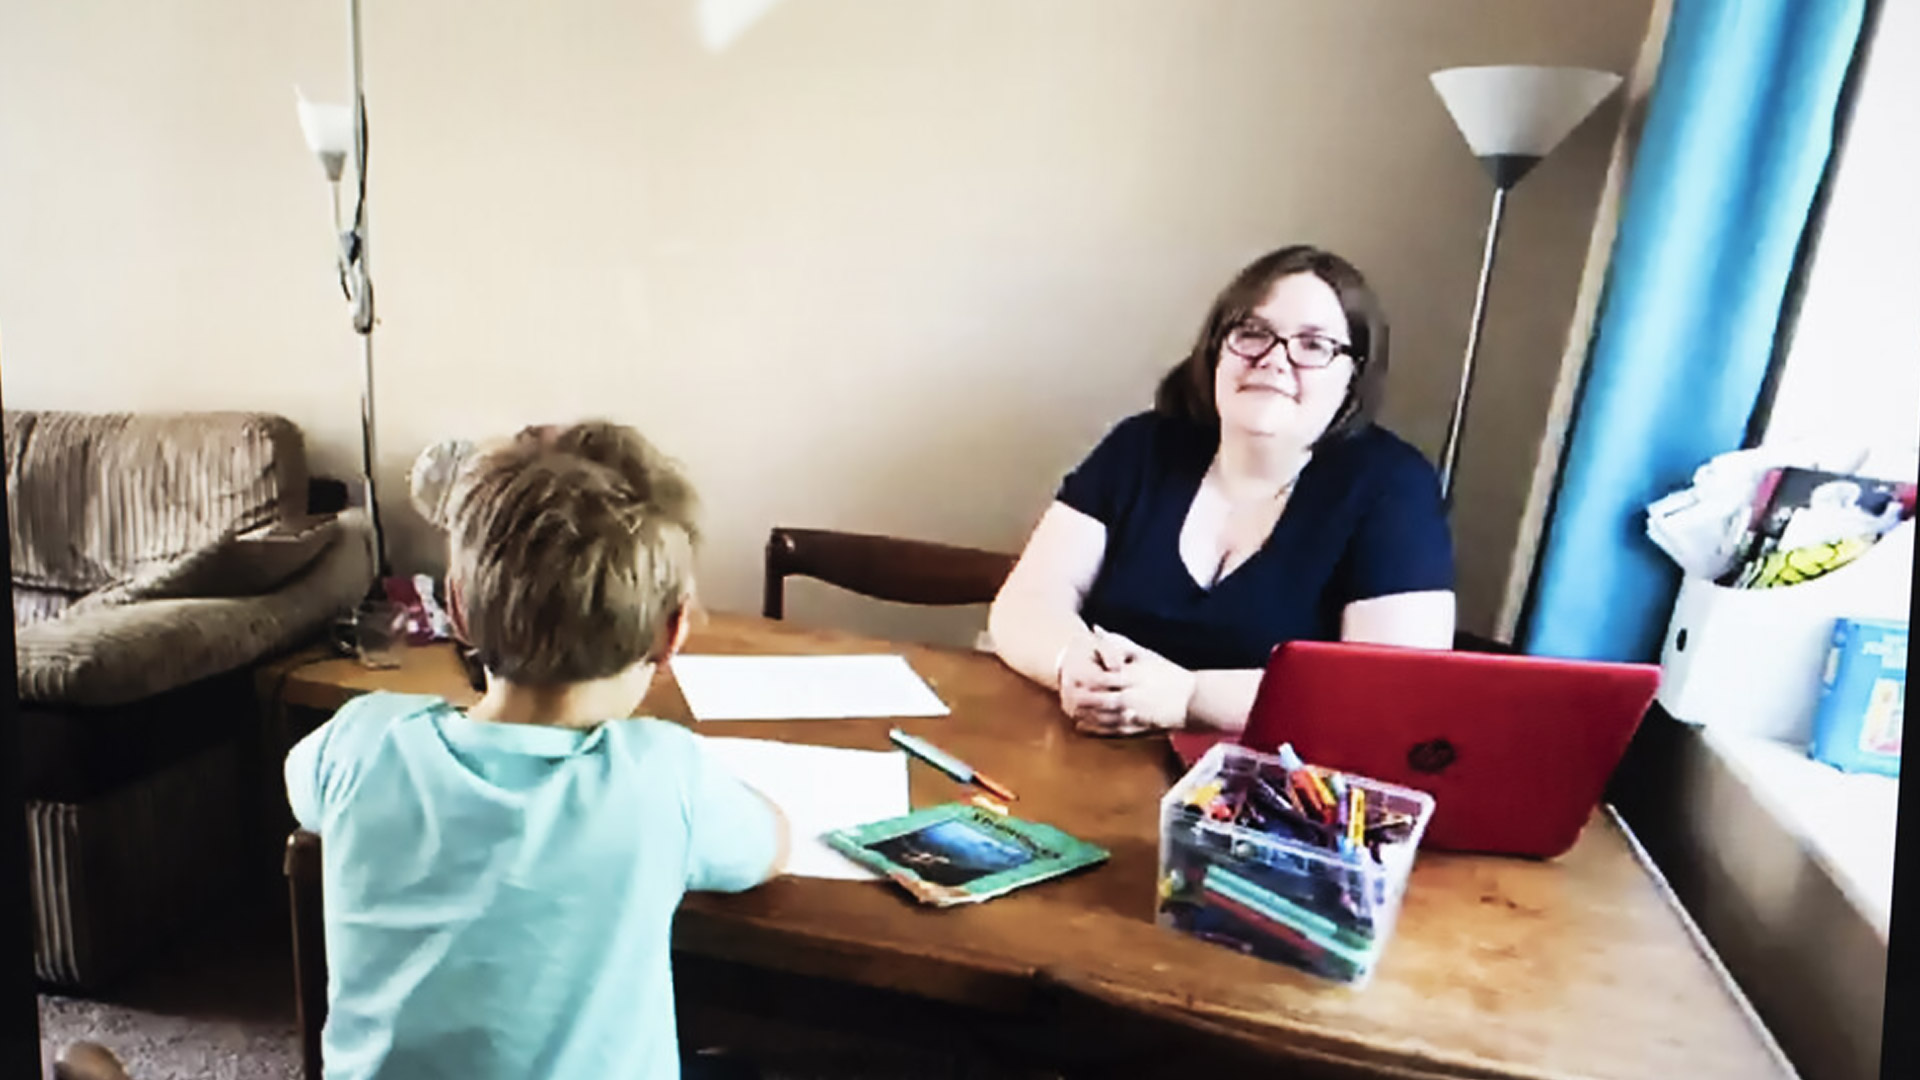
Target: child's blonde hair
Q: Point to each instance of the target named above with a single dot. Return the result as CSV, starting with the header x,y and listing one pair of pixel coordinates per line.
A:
x,y
571,550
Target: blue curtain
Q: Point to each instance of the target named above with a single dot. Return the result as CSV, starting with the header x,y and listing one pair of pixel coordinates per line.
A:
x,y
1738,132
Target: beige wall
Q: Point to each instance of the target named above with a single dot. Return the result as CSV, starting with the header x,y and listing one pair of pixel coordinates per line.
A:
x,y
888,265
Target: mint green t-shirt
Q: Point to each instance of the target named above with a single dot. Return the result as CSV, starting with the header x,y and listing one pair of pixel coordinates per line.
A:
x,y
500,897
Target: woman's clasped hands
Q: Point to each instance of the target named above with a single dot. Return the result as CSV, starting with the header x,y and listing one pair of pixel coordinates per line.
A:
x,y
1111,685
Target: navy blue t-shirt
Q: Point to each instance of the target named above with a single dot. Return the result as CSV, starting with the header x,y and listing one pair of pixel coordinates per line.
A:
x,y
1365,519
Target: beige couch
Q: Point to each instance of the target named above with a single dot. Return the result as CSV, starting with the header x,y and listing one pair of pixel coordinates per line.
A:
x,y
155,558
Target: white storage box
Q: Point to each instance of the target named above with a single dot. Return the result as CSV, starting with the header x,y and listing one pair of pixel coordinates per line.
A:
x,y
1749,661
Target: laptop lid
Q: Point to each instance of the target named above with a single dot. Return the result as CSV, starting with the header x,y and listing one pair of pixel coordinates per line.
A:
x,y
1515,750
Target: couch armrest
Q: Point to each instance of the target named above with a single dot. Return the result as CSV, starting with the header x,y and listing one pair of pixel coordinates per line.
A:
x,y
115,655
325,495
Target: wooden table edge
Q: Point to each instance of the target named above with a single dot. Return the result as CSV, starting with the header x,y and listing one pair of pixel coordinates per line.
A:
x,y
1304,1040
1266,1033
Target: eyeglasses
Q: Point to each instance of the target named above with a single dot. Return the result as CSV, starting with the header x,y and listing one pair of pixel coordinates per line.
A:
x,y
1251,340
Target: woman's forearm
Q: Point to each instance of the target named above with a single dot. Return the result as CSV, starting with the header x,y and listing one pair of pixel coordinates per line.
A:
x,y
1223,698
1028,632
1037,613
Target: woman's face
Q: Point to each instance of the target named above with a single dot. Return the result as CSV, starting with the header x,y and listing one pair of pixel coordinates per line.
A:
x,y
1275,396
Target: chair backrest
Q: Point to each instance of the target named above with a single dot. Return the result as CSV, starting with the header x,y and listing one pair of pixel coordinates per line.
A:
x,y
302,868
882,567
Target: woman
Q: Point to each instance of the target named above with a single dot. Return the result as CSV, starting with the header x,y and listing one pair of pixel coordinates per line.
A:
x,y
1257,503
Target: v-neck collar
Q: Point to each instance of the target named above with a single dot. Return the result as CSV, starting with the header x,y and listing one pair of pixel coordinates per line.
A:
x,y
1180,528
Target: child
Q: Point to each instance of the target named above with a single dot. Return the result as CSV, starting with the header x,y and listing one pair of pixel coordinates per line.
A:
x,y
501,883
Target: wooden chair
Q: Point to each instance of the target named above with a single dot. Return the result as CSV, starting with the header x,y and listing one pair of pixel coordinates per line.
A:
x,y
882,567
309,946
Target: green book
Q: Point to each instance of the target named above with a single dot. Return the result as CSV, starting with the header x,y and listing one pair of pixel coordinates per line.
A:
x,y
957,853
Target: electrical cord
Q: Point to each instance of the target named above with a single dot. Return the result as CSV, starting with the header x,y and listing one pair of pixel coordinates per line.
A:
x,y
355,283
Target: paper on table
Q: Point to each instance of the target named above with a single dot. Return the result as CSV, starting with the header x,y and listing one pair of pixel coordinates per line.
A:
x,y
802,687
820,788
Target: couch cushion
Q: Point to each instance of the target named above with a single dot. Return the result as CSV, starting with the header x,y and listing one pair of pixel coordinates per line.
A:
x,y
111,655
91,499
32,605
251,563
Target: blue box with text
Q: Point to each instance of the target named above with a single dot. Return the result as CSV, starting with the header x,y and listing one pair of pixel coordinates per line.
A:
x,y
1862,697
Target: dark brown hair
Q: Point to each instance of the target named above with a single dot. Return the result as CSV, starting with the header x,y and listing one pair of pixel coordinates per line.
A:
x,y
572,551
1187,390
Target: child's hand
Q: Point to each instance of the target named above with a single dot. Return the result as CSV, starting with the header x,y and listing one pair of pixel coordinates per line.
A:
x,y
783,847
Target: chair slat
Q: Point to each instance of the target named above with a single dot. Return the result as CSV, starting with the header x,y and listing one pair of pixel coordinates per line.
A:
x,y
882,567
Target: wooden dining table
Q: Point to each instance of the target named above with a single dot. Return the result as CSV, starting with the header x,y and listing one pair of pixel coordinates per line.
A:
x,y
1578,968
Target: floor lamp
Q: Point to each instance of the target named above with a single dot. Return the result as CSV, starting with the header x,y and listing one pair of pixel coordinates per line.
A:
x,y
337,134
1512,117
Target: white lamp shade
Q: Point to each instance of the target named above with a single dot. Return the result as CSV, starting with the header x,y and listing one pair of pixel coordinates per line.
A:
x,y
329,132
1519,110
722,22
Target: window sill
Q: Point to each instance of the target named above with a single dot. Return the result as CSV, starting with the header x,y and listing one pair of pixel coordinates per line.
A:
x,y
1776,858
1843,821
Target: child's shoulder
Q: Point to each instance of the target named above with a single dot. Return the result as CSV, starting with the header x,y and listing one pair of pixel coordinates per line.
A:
x,y
325,766
672,753
383,707
647,738
368,719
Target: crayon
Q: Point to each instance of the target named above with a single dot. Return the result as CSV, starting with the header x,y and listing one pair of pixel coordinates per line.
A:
x,y
985,803
1321,789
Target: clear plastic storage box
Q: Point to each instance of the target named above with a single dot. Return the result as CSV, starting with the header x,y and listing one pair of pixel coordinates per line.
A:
x,y
1284,890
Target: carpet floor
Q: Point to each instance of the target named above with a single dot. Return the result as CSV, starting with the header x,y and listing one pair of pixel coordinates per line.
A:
x,y
216,1006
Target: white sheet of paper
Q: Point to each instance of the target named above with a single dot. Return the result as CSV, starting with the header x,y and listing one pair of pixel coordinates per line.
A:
x,y
803,687
820,788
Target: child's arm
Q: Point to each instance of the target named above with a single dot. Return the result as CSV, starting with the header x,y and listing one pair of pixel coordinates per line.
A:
x,y
783,845
736,836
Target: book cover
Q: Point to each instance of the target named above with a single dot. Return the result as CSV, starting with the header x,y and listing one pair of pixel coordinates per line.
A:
x,y
1806,522
957,853
1857,725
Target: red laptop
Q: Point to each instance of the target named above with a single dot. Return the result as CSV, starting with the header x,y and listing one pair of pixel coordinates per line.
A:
x,y
1515,750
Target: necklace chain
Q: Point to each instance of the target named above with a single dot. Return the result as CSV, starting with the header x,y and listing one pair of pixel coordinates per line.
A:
x,y
1282,492
1220,568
